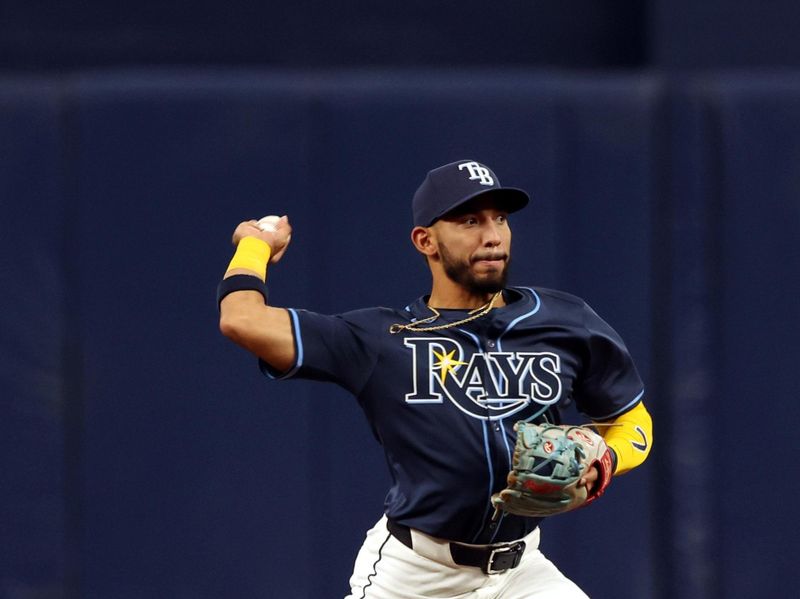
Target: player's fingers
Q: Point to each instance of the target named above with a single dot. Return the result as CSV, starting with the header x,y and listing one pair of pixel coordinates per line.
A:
x,y
281,239
283,227
248,227
279,254
589,479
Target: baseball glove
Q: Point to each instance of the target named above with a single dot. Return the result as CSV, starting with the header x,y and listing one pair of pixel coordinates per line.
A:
x,y
548,463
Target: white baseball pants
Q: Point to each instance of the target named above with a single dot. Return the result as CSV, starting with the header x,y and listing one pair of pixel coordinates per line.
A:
x,y
386,569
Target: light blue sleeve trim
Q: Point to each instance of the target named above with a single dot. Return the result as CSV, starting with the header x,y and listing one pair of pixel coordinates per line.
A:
x,y
522,317
298,338
474,337
622,410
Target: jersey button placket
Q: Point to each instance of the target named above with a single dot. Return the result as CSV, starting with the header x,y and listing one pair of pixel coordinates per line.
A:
x,y
490,344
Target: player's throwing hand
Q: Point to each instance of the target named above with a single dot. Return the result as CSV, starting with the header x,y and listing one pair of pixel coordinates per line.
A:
x,y
278,239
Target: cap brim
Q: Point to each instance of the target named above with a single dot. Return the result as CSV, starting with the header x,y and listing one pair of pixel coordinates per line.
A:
x,y
510,198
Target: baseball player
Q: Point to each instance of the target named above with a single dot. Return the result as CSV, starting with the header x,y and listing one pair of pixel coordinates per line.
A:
x,y
444,383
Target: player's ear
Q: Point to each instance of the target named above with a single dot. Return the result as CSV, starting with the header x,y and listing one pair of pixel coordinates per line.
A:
x,y
423,240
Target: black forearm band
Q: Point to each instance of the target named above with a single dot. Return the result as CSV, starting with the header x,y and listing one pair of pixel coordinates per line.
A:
x,y
240,283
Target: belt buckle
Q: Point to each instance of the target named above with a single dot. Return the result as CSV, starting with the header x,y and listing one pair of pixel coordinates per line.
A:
x,y
504,558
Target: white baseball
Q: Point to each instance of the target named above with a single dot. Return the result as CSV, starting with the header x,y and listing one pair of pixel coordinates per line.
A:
x,y
269,223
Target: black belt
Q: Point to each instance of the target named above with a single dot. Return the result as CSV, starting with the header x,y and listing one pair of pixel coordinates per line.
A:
x,y
492,559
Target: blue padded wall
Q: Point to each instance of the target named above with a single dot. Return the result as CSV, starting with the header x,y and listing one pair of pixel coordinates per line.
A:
x,y
684,348
722,34
36,514
758,324
191,462
144,455
177,163
309,33
729,271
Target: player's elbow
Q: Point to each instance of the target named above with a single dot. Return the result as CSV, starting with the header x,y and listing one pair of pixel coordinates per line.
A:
x,y
243,327
263,331
234,326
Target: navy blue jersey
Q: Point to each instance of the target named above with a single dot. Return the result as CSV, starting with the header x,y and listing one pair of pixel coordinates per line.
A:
x,y
443,403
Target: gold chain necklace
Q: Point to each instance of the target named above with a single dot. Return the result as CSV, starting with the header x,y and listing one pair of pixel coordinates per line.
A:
x,y
415,326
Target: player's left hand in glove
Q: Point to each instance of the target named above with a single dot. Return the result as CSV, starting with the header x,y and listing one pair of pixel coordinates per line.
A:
x,y
548,466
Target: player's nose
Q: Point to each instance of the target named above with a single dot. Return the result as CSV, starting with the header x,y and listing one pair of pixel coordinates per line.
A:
x,y
491,234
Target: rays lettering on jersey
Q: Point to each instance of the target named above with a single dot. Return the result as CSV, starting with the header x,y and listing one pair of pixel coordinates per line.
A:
x,y
485,385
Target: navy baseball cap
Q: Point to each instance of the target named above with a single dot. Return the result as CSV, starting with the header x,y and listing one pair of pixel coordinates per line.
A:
x,y
449,186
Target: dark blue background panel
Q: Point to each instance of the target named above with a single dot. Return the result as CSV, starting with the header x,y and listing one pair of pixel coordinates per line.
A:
x,y
145,455
309,33
685,500
759,321
723,34
34,518
179,161
193,465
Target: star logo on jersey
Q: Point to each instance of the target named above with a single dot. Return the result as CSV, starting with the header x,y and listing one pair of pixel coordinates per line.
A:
x,y
446,364
484,385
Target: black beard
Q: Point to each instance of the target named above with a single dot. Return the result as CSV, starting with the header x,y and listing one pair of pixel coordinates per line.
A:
x,y
459,272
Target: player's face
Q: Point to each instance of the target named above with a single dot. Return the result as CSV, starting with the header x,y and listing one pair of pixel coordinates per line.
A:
x,y
475,247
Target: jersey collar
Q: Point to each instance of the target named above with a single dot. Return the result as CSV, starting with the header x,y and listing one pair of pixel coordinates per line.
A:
x,y
519,302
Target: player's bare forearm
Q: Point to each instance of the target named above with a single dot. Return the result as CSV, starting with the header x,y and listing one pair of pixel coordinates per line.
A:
x,y
244,316
262,330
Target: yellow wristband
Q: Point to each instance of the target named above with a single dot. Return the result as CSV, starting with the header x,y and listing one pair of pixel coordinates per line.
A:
x,y
252,254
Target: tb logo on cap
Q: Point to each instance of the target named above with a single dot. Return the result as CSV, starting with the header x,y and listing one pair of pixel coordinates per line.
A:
x,y
477,171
